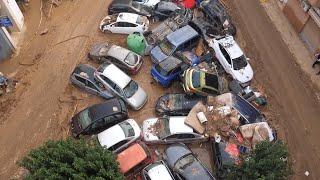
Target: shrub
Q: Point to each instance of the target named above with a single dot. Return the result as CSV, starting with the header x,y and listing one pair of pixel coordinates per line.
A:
x,y
71,159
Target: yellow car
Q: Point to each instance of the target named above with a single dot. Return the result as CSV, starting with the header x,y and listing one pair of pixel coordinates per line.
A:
x,y
203,83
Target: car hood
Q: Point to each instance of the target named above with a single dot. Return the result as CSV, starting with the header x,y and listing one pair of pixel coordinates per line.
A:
x,y
138,99
196,171
111,136
243,75
149,129
157,55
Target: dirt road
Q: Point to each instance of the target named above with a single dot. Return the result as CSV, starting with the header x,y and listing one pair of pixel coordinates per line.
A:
x,y
42,104
290,94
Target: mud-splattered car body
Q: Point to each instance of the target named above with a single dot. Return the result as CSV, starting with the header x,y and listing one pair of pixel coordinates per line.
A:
x,y
168,130
176,104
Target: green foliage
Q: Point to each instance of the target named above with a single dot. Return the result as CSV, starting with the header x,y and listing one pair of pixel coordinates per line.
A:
x,y
71,159
267,162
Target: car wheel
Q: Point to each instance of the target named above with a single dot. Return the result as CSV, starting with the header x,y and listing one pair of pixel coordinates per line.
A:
x,y
107,32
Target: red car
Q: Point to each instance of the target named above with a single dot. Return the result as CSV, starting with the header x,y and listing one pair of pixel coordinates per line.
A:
x,y
133,159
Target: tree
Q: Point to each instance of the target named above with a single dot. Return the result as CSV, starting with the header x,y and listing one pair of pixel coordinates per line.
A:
x,y
268,161
71,159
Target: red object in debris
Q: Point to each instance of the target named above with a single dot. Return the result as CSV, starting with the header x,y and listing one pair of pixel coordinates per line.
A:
x,y
189,3
186,3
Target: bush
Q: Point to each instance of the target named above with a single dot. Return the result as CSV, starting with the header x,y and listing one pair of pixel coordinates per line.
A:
x,y
70,159
267,162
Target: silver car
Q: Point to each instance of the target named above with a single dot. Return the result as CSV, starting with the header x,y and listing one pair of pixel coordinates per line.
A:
x,y
121,85
123,58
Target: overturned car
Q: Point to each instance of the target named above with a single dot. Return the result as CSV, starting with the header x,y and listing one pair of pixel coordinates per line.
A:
x,y
168,26
217,16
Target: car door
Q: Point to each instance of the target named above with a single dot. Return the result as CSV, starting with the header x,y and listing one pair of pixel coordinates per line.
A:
x,y
91,87
116,27
224,58
131,28
80,81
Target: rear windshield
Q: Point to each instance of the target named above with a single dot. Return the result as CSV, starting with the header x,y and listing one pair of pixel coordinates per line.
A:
x,y
239,63
102,67
185,162
130,89
212,80
131,59
167,47
85,119
196,79
127,129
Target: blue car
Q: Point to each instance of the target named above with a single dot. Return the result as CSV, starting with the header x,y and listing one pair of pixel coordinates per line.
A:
x,y
182,39
167,71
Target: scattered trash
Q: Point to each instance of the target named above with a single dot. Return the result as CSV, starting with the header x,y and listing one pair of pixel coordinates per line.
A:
x,y
306,173
201,117
257,132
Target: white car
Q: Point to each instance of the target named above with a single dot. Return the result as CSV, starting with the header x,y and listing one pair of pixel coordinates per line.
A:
x,y
120,136
167,130
157,170
124,23
149,3
121,85
232,58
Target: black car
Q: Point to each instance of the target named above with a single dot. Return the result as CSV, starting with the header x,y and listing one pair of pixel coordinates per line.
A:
x,y
99,117
217,15
177,104
119,6
185,164
224,156
165,9
82,77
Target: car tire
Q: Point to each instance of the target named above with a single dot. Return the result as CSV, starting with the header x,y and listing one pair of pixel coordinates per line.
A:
x,y
107,32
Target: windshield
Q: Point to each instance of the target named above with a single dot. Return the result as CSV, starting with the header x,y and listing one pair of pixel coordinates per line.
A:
x,y
164,129
184,162
130,89
131,59
136,6
127,129
196,79
85,119
239,63
167,47
161,70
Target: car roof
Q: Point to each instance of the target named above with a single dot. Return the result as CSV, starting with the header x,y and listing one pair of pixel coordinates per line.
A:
x,y
118,52
175,152
181,35
89,70
231,46
127,17
212,80
107,108
177,125
131,157
111,136
159,172
116,75
170,63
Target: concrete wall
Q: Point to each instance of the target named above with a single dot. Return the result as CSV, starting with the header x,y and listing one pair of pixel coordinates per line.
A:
x,y
6,47
11,9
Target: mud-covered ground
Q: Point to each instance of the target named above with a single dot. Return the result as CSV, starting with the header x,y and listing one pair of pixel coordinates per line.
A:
x,y
43,101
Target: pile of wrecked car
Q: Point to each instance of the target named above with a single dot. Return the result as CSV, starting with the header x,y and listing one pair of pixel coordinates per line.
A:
x,y
193,46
